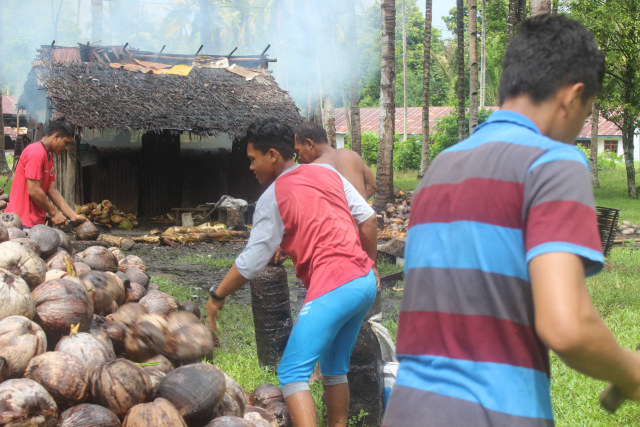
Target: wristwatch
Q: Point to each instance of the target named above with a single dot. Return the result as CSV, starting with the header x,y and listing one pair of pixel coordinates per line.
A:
x,y
214,295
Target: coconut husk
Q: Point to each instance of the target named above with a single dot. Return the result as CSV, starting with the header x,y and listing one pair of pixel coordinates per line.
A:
x,y
5,372
117,281
86,231
131,261
259,416
137,275
159,413
99,258
15,296
88,414
234,400
135,292
86,347
61,260
229,421
22,261
191,307
146,337
4,233
266,393
46,237
187,338
61,303
117,331
20,340
158,301
63,375
11,220
280,411
65,241
81,268
24,402
128,313
25,241
15,233
102,290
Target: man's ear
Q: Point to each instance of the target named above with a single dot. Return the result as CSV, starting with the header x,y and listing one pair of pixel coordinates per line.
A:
x,y
572,96
273,154
309,144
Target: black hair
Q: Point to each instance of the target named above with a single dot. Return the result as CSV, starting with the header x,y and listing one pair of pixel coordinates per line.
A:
x,y
312,131
271,133
65,129
549,52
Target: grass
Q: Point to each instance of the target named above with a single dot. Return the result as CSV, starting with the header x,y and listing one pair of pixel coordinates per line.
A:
x,y
3,177
613,193
209,261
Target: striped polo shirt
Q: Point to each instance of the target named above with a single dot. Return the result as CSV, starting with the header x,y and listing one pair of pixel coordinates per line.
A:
x,y
468,350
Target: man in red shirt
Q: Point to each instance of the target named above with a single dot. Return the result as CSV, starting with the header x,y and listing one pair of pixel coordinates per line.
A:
x,y
33,192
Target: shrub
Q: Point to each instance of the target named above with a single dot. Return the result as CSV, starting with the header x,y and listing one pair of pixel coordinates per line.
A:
x,y
445,132
406,154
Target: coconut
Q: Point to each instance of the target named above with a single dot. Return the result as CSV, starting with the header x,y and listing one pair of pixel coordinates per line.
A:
x,y
99,258
4,233
153,287
229,421
194,390
11,220
65,377
135,292
131,261
267,393
117,332
145,338
56,273
16,233
156,376
234,400
20,340
61,303
280,411
158,363
24,402
81,268
31,244
102,290
138,276
259,417
119,283
46,237
159,413
22,261
119,385
86,231
60,260
187,339
86,347
97,329
117,252
65,241
191,307
128,313
88,414
158,301
15,296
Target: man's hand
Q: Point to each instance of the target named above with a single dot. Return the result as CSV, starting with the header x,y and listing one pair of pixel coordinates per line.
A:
x,y
59,219
278,258
78,218
377,274
213,307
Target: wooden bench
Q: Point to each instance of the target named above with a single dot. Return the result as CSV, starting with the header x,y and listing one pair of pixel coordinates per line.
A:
x,y
607,225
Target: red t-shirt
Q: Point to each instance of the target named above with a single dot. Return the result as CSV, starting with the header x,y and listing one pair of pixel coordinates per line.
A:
x,y
35,163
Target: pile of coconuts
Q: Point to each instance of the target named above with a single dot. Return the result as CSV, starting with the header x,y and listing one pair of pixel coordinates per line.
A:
x,y
87,340
108,215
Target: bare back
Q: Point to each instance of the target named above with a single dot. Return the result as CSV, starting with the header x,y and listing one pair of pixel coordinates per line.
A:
x,y
353,168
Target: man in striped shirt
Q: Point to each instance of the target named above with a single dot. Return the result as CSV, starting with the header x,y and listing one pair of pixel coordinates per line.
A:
x,y
502,234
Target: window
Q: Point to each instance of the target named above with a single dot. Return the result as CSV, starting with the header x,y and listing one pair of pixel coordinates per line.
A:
x,y
611,145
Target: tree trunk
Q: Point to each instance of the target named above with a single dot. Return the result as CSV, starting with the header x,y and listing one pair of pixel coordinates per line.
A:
x,y
354,102
627,144
593,154
539,7
460,60
473,64
330,120
404,71
4,166
96,21
512,19
384,176
483,55
426,79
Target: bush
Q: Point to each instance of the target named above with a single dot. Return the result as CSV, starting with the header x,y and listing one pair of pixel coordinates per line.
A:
x,y
406,154
446,131
369,141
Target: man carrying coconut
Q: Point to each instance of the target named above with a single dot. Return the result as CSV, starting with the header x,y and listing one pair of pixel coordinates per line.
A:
x,y
502,233
320,220
33,191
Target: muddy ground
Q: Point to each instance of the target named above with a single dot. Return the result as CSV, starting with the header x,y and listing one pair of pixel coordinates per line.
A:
x,y
172,263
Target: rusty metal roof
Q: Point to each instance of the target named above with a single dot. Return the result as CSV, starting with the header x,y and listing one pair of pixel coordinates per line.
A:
x,y
605,128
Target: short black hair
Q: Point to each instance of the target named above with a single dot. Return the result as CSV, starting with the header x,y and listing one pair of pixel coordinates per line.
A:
x,y
549,52
65,129
314,132
271,133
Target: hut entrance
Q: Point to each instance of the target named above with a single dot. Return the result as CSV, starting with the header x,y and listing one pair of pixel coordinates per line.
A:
x,y
160,173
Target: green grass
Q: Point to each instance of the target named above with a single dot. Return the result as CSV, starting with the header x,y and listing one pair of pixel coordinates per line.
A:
x,y
209,261
3,178
613,193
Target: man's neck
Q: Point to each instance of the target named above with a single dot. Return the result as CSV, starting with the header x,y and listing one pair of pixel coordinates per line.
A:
x,y
46,143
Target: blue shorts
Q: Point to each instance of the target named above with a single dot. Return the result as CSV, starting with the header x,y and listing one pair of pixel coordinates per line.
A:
x,y
326,330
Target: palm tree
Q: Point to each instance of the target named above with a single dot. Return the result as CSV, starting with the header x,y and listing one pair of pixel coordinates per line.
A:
x,y
426,78
483,55
473,64
384,176
460,59
593,147
539,7
356,131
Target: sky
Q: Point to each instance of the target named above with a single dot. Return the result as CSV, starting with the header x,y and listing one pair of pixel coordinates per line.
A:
x,y
440,8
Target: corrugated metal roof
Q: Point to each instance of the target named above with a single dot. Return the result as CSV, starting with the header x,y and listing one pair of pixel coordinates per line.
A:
x,y
370,121
9,104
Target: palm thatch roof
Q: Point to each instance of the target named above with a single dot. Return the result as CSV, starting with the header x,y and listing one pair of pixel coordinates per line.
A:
x,y
206,102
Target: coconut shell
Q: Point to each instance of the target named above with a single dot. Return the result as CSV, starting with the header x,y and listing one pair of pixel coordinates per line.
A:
x,y
259,417
5,372
128,313
131,261
11,220
65,241
117,331
15,296
86,231
81,268
60,260
158,301
266,393
25,241
187,338
117,281
234,400
46,237
117,252
191,307
156,376
97,329
99,258
280,411
88,415
24,402
4,233
20,340
135,292
16,233
229,421
145,338
65,377
137,275
119,385
159,413
23,262
61,303
194,390
87,348
102,290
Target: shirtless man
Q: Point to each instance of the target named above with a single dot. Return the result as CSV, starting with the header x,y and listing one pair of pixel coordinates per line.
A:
x,y
313,147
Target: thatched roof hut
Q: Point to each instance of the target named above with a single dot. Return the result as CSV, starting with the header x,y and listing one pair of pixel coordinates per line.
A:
x,y
141,120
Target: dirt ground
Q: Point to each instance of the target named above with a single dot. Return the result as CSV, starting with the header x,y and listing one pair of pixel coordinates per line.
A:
x,y
168,262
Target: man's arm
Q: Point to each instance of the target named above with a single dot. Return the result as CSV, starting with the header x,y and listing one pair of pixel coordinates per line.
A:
x,y
368,231
369,181
62,204
568,324
36,193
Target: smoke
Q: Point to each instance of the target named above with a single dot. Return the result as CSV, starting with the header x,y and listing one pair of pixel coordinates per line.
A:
x,y
310,39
